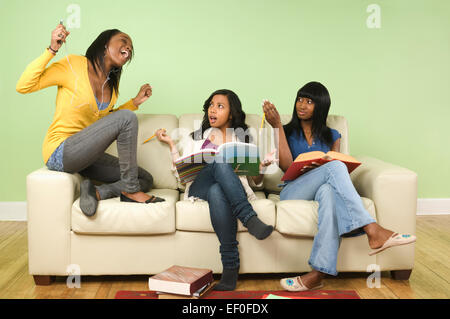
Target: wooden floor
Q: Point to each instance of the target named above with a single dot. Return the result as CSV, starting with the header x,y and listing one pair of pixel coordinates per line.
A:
x,y
430,277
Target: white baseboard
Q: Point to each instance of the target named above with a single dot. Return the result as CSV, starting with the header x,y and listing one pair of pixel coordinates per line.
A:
x,y
17,211
13,211
433,206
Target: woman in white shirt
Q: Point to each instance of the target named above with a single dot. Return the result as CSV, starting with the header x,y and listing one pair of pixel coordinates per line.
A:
x,y
227,194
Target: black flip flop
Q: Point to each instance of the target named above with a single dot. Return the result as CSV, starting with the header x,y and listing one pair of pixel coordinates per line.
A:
x,y
152,200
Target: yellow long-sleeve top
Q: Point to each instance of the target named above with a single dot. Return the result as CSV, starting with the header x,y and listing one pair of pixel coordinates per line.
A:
x,y
76,107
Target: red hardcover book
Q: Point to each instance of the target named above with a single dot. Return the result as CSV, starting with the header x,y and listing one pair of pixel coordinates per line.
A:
x,y
180,280
297,168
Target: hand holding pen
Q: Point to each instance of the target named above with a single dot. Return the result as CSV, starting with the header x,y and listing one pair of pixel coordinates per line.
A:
x,y
59,36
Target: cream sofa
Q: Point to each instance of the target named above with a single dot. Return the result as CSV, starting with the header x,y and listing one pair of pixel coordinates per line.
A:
x,y
127,238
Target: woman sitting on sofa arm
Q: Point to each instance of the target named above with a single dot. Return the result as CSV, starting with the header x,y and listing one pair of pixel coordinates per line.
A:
x,y
227,194
85,123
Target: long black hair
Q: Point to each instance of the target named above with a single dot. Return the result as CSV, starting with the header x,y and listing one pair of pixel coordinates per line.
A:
x,y
321,98
96,54
237,117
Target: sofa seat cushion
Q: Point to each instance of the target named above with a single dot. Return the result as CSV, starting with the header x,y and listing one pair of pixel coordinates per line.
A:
x,y
121,218
194,216
258,194
300,217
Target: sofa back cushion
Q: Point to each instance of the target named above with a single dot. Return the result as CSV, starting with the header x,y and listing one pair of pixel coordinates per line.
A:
x,y
155,157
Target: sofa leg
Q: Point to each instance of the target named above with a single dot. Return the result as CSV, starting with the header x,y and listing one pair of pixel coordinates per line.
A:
x,y
43,280
401,274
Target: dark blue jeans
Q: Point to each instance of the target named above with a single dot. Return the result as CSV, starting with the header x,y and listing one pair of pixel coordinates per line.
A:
x,y
222,189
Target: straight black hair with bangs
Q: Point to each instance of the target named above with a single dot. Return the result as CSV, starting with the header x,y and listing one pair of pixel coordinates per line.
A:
x,y
96,54
321,98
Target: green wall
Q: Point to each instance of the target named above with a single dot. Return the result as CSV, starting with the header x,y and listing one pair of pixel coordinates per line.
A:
x,y
391,83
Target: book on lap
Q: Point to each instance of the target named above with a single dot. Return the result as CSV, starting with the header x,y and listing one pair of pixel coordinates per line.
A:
x,y
180,280
297,168
243,157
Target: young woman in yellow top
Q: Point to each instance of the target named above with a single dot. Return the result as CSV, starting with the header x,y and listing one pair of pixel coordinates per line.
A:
x,y
86,123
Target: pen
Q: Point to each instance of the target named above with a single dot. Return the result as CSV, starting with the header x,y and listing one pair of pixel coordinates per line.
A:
x,y
61,23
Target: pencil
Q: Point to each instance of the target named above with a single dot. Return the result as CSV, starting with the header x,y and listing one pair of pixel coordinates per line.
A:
x,y
149,138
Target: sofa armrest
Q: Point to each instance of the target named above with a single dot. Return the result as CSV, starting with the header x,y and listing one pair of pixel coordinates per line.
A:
x,y
50,196
392,188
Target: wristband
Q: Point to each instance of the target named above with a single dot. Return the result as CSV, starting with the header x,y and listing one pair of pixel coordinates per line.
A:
x,y
50,48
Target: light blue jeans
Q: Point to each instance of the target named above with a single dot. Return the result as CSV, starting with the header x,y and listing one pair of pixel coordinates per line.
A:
x,y
341,210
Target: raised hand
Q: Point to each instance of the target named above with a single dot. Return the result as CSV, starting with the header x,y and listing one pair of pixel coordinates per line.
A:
x,y
272,115
59,36
144,93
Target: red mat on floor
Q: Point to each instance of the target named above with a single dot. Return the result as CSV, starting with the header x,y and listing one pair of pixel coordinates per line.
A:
x,y
315,294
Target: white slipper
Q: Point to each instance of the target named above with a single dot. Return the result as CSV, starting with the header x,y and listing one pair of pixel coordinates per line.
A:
x,y
296,284
395,240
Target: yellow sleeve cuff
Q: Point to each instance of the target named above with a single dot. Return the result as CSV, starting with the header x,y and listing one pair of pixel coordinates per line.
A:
x,y
128,106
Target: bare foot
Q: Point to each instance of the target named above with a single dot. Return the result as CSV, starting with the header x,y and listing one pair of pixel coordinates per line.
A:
x,y
312,279
377,235
139,196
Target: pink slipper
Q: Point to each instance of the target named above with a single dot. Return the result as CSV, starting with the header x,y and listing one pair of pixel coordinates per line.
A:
x,y
395,240
296,284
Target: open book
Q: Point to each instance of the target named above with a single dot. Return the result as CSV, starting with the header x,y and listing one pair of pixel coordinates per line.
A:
x,y
243,157
297,167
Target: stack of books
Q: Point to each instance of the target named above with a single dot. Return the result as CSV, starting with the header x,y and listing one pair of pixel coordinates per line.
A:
x,y
182,282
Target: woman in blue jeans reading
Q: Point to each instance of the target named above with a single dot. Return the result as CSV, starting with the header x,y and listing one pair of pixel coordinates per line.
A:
x,y
227,194
341,212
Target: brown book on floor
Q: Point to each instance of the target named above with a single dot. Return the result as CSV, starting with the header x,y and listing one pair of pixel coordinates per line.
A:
x,y
297,168
180,280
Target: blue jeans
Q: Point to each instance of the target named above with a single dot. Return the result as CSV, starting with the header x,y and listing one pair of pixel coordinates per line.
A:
x,y
341,210
222,189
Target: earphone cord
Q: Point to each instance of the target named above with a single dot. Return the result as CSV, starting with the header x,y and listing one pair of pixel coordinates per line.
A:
x,y
76,77
103,86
